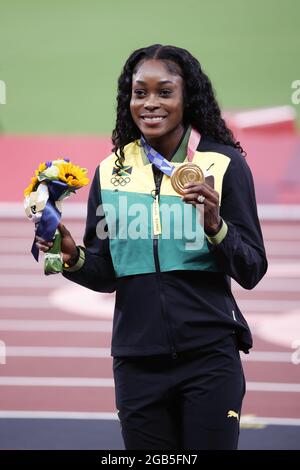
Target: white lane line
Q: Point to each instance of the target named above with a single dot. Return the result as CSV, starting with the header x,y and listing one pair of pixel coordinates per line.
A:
x,y
269,421
43,351
272,285
86,415
90,415
284,269
31,280
267,356
19,245
291,248
264,116
107,382
25,301
13,262
15,210
272,387
278,267
23,231
267,305
281,233
56,325
24,228
56,381
79,352
278,212
15,245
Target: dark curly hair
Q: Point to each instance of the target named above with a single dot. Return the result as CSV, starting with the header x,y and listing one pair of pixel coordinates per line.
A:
x,y
201,108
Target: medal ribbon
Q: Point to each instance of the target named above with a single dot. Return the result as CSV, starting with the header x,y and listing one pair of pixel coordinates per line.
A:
x,y
161,162
167,168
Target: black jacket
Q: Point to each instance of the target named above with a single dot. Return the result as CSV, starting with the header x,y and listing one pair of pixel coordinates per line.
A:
x,y
166,312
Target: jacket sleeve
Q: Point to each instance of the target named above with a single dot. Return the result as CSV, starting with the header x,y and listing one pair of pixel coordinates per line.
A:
x,y
96,272
241,254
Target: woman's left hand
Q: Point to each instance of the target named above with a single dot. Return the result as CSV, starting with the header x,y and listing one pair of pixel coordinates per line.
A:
x,y
212,219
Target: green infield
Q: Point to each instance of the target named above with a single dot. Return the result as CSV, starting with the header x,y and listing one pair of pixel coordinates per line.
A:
x,y
60,60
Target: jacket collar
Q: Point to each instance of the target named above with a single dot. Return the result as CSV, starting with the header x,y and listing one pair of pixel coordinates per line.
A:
x,y
180,153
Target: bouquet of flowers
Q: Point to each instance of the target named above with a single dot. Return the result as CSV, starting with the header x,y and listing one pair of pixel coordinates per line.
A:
x,y
53,182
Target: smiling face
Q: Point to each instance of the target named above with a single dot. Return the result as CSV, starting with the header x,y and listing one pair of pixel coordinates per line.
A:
x,y
157,103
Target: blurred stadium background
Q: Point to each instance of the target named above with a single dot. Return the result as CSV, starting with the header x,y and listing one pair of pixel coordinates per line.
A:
x,y
60,62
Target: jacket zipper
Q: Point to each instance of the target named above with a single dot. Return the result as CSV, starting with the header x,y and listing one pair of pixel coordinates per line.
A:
x,y
158,182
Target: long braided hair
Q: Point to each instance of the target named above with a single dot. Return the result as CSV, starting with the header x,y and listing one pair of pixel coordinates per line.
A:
x,y
201,109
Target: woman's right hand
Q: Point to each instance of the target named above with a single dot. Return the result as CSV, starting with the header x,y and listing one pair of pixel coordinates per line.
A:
x,y
69,249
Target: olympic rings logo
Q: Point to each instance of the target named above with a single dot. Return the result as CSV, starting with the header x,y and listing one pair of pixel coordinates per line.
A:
x,y
119,180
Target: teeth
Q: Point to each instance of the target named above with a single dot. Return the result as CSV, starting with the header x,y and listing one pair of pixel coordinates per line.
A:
x,y
153,119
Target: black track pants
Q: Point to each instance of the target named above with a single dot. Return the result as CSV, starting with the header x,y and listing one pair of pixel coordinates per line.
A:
x,y
191,402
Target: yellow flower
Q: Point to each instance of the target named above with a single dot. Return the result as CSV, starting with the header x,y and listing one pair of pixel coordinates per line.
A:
x,y
42,167
60,170
72,175
31,187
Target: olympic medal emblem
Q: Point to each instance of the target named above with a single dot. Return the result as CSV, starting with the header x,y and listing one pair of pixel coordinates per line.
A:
x,y
186,173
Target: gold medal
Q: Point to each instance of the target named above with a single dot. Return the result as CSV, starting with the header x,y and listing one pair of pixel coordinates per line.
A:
x,y
186,173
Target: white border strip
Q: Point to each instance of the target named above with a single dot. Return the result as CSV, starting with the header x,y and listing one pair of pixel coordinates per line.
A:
x,y
85,415
72,210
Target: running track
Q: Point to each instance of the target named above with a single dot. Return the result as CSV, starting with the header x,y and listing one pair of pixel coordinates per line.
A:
x,y
57,335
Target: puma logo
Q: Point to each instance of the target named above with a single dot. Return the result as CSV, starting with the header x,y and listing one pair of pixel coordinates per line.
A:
x,y
232,414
